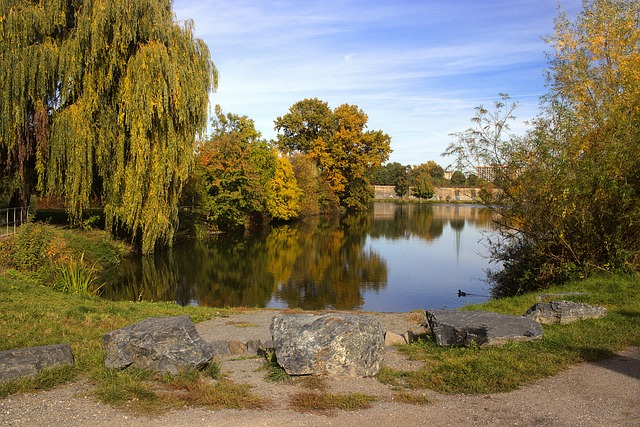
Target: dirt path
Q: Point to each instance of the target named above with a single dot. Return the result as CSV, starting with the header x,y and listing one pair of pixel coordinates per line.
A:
x,y
591,394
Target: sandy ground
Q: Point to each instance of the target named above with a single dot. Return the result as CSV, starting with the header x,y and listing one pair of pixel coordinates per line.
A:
x,y
591,394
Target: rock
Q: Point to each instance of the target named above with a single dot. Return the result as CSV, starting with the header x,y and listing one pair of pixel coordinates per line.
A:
x,y
26,362
564,312
219,346
269,345
163,344
266,349
391,338
331,344
253,346
480,327
237,347
410,337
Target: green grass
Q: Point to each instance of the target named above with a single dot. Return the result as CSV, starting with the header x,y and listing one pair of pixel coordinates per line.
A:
x,y
274,372
500,369
33,315
34,312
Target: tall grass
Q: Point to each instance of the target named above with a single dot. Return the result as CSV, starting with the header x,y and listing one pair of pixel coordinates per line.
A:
x,y
75,277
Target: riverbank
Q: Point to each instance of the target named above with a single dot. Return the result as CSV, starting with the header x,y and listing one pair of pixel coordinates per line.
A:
x,y
32,314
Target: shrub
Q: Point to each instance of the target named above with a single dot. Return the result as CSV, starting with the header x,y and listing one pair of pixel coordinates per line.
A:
x,y
30,246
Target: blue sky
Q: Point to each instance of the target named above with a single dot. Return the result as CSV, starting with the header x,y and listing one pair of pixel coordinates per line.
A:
x,y
416,68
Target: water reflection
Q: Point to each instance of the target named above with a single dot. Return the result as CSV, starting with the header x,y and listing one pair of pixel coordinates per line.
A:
x,y
322,264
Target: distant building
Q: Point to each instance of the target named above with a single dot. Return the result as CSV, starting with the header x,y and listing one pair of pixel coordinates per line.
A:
x,y
448,174
487,173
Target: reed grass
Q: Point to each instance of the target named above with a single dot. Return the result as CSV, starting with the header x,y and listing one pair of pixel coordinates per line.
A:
x,y
75,277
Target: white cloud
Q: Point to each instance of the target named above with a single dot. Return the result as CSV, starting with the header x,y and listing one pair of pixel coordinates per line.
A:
x,y
416,68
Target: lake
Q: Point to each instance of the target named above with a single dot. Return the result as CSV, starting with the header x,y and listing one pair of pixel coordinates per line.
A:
x,y
393,258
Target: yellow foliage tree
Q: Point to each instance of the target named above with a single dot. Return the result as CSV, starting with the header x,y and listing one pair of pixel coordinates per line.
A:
x,y
283,193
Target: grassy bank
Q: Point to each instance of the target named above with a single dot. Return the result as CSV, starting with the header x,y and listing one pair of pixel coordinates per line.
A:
x,y
500,369
33,313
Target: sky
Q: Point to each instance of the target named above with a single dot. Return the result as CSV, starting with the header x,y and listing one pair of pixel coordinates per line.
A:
x,y
417,68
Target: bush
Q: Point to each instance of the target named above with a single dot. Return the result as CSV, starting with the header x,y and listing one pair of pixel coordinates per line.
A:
x,y
30,246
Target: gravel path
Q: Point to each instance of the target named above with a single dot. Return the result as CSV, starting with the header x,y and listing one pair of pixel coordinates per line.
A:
x,y
591,394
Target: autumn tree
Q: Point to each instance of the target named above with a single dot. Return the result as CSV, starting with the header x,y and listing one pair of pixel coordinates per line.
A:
x,y
317,196
570,188
337,142
429,171
283,195
102,101
235,164
423,186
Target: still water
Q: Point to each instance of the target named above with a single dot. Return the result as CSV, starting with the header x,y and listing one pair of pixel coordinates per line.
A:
x,y
394,258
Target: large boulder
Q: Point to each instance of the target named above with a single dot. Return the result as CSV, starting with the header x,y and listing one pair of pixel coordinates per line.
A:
x,y
564,312
331,344
480,327
163,344
26,362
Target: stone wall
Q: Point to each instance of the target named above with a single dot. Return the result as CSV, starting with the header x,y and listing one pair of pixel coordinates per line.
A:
x,y
444,194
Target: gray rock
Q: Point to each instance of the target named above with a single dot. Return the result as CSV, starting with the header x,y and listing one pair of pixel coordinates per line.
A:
x,y
26,362
331,344
480,327
564,312
266,349
163,344
220,346
253,346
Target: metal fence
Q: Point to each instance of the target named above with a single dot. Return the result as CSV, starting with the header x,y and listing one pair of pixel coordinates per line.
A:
x,y
11,219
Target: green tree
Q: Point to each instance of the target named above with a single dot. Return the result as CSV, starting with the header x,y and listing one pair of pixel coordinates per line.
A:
x,y
458,178
306,122
339,145
387,174
392,174
236,167
473,180
402,183
423,186
103,101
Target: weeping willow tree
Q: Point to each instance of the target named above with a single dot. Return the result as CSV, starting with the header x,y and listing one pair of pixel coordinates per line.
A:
x,y
102,100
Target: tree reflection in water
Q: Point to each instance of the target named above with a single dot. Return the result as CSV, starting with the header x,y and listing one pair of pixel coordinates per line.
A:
x,y
318,264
